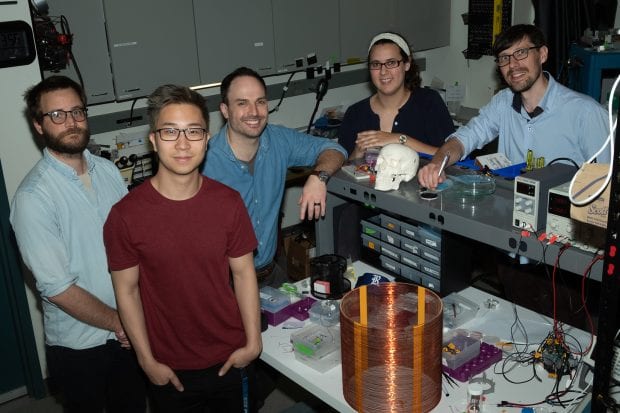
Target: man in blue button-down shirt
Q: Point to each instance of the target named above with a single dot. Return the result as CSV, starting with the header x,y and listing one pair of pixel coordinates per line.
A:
x,y
535,112
58,213
253,157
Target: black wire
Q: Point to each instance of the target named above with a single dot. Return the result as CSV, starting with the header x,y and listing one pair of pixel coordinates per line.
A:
x,y
131,112
564,159
64,24
321,89
519,326
284,90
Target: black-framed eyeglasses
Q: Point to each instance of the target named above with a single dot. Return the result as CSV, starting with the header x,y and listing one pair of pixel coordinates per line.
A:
x,y
60,116
172,134
390,64
519,54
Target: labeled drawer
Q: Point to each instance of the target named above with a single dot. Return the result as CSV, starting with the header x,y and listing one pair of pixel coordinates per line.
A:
x,y
410,231
390,251
372,243
430,268
410,246
430,237
411,260
411,274
372,229
390,237
390,264
430,254
431,283
390,223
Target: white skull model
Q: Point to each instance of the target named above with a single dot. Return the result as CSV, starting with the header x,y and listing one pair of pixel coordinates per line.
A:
x,y
395,163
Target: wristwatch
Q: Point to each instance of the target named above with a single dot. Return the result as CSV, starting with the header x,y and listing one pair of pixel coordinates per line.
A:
x,y
402,139
323,175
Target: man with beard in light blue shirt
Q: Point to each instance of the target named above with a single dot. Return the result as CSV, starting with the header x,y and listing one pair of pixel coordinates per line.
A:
x,y
535,112
58,214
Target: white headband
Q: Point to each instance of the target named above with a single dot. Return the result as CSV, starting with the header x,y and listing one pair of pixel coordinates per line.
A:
x,y
392,37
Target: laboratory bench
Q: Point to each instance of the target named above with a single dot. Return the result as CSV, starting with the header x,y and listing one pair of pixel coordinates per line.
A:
x,y
485,219
493,320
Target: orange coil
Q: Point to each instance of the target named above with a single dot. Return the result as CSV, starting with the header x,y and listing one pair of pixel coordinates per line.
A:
x,y
391,348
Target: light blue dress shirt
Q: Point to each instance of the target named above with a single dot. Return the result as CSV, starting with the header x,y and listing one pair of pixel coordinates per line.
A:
x,y
58,223
571,125
262,192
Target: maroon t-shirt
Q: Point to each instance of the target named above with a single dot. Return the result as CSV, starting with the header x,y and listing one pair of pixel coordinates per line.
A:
x,y
182,249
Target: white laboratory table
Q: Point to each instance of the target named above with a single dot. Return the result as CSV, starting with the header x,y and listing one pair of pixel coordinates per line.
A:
x,y
277,352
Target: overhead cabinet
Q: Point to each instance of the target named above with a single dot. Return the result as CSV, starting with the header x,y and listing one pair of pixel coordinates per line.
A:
x,y
231,34
125,49
90,47
305,32
151,42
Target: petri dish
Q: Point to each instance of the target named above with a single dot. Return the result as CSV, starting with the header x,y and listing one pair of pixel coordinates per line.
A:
x,y
467,189
474,185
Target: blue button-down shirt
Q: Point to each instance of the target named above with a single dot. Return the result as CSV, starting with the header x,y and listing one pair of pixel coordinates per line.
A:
x,y
262,192
571,125
58,223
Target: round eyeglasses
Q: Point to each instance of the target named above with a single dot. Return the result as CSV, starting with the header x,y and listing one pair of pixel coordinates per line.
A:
x,y
60,116
172,134
390,64
519,54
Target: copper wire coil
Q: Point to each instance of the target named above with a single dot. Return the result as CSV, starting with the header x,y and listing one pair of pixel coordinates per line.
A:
x,y
391,348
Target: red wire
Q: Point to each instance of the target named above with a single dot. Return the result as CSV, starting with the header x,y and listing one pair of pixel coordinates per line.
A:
x,y
555,267
585,306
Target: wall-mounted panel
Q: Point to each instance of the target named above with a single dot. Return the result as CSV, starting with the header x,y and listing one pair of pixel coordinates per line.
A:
x,y
426,26
360,20
90,48
151,42
303,28
231,34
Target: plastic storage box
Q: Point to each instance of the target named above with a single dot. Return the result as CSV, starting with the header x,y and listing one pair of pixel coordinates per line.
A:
x,y
325,312
273,304
459,349
457,310
318,347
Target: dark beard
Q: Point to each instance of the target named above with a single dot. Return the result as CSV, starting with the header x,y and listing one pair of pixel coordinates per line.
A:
x,y
56,143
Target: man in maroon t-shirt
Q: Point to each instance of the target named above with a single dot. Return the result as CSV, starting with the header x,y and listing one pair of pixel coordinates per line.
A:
x,y
173,244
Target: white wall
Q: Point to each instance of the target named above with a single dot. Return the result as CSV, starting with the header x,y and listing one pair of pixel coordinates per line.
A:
x,y
18,151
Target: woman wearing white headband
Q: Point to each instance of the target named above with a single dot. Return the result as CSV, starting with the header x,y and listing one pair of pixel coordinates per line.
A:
x,y
400,111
